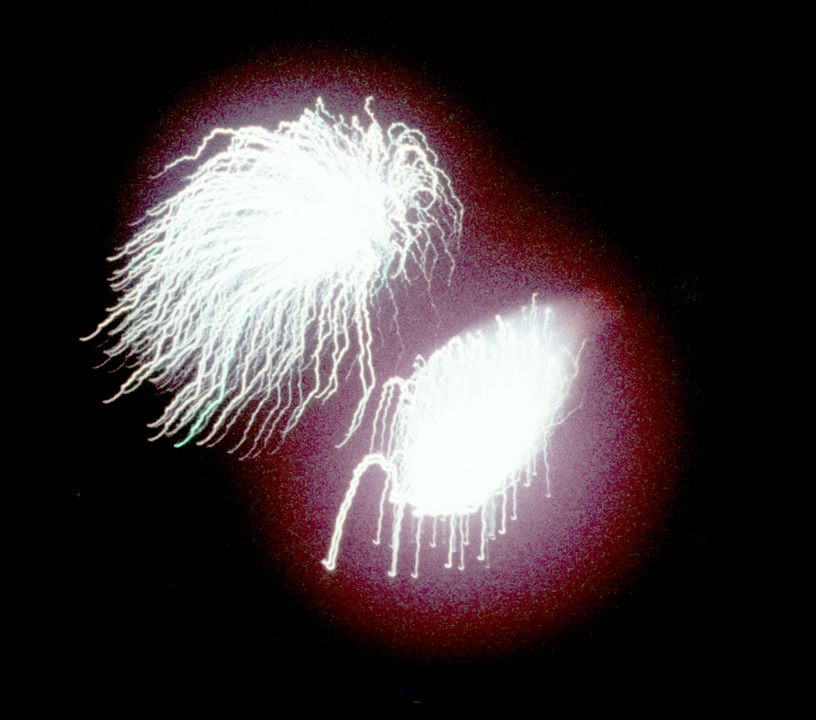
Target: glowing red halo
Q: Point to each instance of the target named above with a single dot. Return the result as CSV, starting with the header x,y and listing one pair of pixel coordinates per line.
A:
x,y
566,557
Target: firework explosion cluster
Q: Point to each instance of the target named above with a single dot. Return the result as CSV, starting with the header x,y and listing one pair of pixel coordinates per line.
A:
x,y
248,292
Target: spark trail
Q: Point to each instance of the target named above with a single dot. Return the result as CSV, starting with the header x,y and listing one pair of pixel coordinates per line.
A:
x,y
458,436
244,293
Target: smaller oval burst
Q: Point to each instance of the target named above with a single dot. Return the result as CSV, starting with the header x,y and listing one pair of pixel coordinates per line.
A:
x,y
457,437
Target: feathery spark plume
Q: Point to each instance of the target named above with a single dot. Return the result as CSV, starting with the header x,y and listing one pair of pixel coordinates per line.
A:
x,y
259,272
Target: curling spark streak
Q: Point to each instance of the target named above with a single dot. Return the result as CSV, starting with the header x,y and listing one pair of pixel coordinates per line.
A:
x,y
244,293
460,434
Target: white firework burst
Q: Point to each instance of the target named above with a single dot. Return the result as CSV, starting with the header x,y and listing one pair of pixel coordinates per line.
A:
x,y
244,293
457,437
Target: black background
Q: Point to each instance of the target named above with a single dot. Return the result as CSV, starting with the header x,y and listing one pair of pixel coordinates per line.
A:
x,y
169,599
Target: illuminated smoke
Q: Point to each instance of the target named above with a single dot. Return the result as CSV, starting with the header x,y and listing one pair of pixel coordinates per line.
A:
x,y
243,293
457,437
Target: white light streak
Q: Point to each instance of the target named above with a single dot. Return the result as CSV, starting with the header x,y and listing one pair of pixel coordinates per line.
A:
x,y
258,274
458,436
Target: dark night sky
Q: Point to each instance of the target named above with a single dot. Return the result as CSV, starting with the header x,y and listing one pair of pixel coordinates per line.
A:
x,y
171,586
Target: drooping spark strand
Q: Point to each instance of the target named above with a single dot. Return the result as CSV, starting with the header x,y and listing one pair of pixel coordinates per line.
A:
x,y
460,434
243,294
